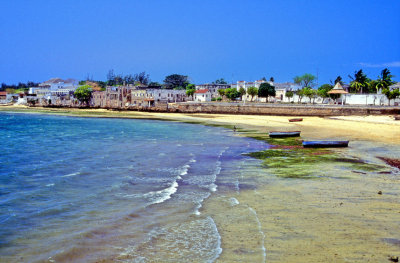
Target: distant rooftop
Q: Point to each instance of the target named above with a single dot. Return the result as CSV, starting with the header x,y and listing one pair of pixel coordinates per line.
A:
x,y
202,91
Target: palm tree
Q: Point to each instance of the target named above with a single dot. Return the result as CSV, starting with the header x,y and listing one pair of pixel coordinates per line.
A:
x,y
359,81
384,80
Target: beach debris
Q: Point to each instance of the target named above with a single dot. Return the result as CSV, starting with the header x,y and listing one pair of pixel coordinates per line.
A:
x,y
359,172
391,162
325,144
379,192
295,119
394,258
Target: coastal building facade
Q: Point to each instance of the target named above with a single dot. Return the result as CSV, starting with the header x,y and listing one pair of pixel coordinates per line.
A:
x,y
202,95
118,97
151,97
213,88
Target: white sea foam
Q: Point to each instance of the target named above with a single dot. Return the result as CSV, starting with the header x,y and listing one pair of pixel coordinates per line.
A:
x,y
184,170
218,249
157,197
237,186
49,185
233,201
200,204
213,187
72,174
261,233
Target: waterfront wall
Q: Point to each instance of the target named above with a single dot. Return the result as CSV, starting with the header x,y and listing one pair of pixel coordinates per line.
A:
x,y
257,109
285,110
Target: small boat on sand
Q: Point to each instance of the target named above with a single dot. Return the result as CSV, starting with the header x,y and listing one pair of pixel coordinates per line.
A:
x,y
397,118
325,144
282,134
296,119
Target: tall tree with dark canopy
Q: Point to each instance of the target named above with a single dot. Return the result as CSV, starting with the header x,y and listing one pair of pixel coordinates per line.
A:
x,y
111,78
220,81
265,90
142,78
175,80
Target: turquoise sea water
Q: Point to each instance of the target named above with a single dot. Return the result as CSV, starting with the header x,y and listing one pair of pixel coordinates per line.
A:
x,y
89,189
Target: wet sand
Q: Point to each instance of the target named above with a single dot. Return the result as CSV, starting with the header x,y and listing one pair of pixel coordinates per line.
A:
x,y
330,219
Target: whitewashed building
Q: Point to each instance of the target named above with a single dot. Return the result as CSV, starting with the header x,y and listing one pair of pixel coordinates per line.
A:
x,y
213,88
202,95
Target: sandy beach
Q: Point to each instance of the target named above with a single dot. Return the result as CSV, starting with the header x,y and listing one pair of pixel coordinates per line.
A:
x,y
354,218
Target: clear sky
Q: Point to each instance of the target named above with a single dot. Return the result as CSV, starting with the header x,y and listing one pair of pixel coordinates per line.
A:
x,y
204,39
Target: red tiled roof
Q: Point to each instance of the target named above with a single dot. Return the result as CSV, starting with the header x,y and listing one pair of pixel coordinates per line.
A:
x,y
3,93
201,91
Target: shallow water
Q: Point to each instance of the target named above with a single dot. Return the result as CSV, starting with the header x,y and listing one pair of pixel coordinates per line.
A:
x,y
119,190
83,190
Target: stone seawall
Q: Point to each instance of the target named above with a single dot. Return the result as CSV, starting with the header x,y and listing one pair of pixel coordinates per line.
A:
x,y
260,109
285,110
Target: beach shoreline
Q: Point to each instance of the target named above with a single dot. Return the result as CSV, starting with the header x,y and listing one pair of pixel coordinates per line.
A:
x,y
319,220
370,128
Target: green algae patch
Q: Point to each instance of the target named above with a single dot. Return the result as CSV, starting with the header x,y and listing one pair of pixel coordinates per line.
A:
x,y
287,158
294,162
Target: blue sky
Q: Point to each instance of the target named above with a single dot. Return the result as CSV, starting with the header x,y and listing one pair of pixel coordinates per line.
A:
x,y
206,40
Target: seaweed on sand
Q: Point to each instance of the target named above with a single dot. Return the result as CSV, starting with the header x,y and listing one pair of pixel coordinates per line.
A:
x,y
287,158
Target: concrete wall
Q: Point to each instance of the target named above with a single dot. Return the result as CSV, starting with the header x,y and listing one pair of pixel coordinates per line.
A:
x,y
368,99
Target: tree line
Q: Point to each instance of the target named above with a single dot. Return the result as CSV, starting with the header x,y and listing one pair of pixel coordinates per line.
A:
x,y
359,83
17,88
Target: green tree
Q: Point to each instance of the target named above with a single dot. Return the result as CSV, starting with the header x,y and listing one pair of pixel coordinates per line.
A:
x,y
83,94
374,86
272,79
309,93
190,92
176,80
323,90
306,80
359,81
242,91
220,81
154,83
252,91
221,92
384,80
266,90
141,77
289,94
232,93
191,86
391,94
300,94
